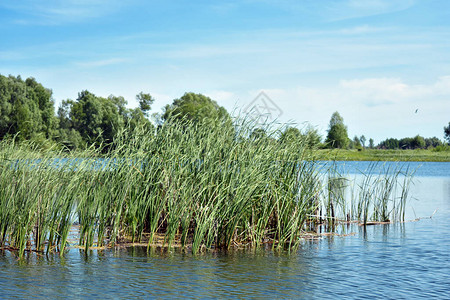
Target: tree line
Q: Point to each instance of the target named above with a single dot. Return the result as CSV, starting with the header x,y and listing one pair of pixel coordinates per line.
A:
x,y
337,137
27,112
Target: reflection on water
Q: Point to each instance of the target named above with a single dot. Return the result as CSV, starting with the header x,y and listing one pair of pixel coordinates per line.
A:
x,y
130,272
406,260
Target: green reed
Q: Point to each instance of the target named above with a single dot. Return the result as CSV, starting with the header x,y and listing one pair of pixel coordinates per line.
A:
x,y
206,186
33,207
377,196
195,185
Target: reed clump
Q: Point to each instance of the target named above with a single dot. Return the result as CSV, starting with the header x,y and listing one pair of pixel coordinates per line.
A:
x,y
378,194
196,185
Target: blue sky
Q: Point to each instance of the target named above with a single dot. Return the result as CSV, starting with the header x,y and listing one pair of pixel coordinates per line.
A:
x,y
375,62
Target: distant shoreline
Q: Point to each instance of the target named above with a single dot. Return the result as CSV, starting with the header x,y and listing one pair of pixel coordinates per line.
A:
x,y
384,155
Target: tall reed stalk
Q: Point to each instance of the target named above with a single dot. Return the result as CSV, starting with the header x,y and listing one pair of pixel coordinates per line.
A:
x,y
378,194
210,185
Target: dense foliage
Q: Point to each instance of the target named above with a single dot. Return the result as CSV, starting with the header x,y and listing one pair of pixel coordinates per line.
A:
x,y
92,120
447,132
337,132
195,108
26,109
309,137
416,142
27,112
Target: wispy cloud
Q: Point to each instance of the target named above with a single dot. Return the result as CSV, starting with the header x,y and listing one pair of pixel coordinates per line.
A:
x,y
351,9
54,12
363,29
101,63
207,51
10,55
338,10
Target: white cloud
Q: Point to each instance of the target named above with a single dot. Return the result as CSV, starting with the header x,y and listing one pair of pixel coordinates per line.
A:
x,y
222,96
393,90
379,108
375,91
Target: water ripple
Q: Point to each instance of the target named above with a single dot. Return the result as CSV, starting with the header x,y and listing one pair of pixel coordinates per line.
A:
x,y
403,261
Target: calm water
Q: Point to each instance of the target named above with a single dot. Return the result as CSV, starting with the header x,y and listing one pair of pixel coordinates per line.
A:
x,y
401,261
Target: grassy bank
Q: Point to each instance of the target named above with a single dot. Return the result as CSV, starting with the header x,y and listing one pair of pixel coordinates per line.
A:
x,y
196,186
384,155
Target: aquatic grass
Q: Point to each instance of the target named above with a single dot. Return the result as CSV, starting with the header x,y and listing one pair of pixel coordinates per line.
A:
x,y
199,186
378,194
28,188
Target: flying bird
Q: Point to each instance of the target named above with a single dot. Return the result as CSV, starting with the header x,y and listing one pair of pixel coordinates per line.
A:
x,y
417,110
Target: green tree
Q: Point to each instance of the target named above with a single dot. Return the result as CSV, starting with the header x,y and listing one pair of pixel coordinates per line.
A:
x,y
86,114
26,109
196,108
137,119
371,143
91,119
309,137
390,143
44,101
418,142
337,136
447,133
412,143
312,136
121,104
356,143
112,122
96,119
362,139
432,142
67,134
405,143
145,102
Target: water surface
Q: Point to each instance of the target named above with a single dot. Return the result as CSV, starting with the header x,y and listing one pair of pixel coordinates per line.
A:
x,y
401,261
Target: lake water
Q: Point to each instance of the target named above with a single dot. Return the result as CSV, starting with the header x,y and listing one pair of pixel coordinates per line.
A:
x,y
396,261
